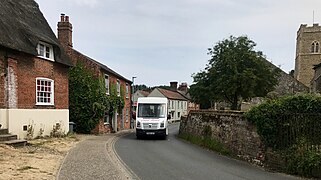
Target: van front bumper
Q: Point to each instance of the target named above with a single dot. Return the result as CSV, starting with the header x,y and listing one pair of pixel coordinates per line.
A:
x,y
156,132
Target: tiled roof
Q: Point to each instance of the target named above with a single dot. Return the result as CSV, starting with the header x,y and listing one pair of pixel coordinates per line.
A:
x,y
144,93
104,67
172,94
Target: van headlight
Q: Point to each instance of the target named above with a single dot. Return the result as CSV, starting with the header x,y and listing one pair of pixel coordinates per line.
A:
x,y
162,124
138,124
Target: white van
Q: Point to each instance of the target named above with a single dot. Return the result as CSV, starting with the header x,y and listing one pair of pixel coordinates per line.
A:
x,y
151,117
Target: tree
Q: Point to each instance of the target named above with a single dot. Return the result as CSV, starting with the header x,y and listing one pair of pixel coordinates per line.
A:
x,y
140,87
234,73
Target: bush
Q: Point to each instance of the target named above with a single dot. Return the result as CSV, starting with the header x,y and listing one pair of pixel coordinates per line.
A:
x,y
306,164
275,117
292,126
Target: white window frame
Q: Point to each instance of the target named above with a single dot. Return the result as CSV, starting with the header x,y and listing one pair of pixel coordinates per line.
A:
x,y
44,56
127,91
52,92
107,84
118,87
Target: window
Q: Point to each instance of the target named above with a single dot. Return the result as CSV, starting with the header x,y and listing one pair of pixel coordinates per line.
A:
x,y
178,114
127,115
107,83
44,91
118,87
45,51
151,110
106,118
172,104
127,90
315,47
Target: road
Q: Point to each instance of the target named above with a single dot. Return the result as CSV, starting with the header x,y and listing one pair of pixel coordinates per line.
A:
x,y
153,159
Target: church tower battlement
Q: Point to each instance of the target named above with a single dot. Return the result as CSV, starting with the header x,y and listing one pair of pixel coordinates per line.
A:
x,y
308,52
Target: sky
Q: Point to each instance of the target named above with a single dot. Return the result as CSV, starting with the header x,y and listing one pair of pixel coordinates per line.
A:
x,y
159,41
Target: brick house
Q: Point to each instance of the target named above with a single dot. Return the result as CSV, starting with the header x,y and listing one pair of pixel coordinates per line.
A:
x,y
121,119
33,72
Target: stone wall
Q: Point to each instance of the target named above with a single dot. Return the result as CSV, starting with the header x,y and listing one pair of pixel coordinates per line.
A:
x,y
305,59
228,127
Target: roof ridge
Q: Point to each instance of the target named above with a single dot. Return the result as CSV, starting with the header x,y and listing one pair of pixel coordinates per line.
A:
x,y
105,67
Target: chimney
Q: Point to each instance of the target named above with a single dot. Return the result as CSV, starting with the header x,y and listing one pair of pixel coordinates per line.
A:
x,y
183,87
173,86
65,31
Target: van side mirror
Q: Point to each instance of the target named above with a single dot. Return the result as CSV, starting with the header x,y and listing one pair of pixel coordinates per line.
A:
x,y
168,117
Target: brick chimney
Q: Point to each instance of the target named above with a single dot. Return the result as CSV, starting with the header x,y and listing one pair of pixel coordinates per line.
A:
x,y
183,87
65,32
173,86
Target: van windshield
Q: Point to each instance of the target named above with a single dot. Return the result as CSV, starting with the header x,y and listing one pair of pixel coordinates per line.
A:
x,y
151,110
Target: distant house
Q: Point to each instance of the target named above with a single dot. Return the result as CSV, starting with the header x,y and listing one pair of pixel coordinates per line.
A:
x,y
183,90
138,94
177,103
121,119
33,72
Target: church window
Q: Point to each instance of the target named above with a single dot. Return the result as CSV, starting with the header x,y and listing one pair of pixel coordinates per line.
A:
x,y
315,47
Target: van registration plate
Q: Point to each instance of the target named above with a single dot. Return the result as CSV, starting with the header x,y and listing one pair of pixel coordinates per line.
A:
x,y
150,133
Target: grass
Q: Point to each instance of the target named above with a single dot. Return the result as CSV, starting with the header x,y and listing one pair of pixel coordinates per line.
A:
x,y
207,142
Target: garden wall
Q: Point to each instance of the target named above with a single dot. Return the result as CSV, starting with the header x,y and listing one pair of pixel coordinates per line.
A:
x,y
228,127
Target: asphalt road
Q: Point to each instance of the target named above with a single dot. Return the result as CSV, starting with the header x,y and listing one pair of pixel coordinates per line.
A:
x,y
153,159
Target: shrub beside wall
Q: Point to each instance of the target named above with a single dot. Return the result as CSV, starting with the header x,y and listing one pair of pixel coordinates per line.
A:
x,y
291,127
283,134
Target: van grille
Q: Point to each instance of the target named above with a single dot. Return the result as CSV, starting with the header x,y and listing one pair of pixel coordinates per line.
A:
x,y
150,125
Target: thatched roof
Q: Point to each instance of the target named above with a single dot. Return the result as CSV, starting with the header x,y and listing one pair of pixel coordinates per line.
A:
x,y
22,26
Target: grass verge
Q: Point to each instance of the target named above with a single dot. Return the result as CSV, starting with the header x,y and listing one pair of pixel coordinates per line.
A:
x,y
207,142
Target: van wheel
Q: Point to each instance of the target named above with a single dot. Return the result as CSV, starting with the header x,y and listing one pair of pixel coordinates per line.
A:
x,y
138,136
164,137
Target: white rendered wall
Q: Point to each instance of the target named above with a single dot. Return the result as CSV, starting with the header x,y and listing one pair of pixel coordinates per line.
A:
x,y
39,119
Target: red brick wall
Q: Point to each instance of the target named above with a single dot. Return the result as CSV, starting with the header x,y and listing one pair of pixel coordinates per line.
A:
x,y
95,68
101,128
28,68
113,80
65,37
88,63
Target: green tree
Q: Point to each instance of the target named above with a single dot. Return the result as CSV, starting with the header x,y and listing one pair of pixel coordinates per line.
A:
x,y
235,72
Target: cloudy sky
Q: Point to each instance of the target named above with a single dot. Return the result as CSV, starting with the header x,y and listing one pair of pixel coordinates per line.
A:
x,y
159,41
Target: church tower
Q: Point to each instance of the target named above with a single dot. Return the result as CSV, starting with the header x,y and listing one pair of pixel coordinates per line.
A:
x,y
307,52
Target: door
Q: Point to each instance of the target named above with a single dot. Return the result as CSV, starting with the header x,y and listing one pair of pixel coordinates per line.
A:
x,y
121,120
